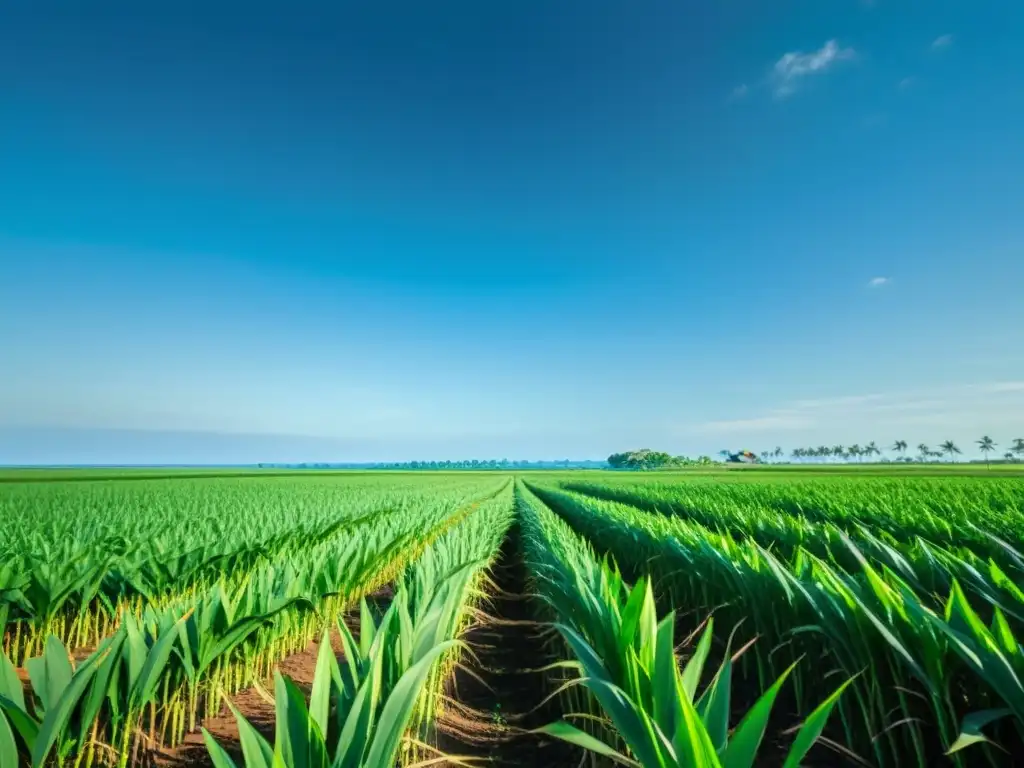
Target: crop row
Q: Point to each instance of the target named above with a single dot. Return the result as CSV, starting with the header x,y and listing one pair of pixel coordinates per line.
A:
x,y
76,556
168,663
952,512
929,671
642,707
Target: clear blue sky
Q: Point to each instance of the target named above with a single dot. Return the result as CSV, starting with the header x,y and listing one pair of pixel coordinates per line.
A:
x,y
528,229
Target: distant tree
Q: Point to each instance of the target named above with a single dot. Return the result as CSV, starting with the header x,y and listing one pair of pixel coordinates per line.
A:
x,y
1008,455
1018,447
923,451
900,446
950,449
855,450
645,458
986,445
617,460
838,452
872,450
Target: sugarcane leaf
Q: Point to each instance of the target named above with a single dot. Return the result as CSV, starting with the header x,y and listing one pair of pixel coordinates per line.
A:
x,y
59,714
813,726
970,728
565,732
8,746
256,752
695,666
50,673
149,675
666,685
746,739
323,676
691,742
298,741
92,701
714,705
398,708
635,727
10,685
23,723
218,756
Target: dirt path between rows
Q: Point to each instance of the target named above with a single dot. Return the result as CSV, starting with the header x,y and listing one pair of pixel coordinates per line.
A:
x,y
494,704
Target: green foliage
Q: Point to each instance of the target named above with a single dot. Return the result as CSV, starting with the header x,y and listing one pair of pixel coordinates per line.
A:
x,y
627,663
170,657
853,601
361,712
645,458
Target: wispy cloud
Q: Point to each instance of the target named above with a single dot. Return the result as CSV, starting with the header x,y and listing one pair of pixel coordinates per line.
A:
x,y
942,41
1005,386
937,413
796,65
878,282
739,92
907,82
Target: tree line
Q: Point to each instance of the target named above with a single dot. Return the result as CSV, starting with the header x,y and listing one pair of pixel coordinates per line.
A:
x,y
1014,451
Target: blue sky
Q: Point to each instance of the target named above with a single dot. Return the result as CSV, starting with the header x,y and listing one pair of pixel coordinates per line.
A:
x,y
524,229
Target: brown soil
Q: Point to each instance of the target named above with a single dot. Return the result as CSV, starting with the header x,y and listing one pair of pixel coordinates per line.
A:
x,y
495,699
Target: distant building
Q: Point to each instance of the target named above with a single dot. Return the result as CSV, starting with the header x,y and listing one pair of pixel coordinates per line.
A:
x,y
740,457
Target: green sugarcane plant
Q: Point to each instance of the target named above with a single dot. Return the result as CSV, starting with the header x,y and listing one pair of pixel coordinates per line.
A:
x,y
359,712
626,660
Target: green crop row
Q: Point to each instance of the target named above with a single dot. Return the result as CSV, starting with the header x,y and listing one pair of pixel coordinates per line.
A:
x,y
75,556
642,707
952,512
168,665
373,709
929,673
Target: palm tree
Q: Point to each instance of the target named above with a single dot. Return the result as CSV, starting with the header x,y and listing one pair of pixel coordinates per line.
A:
x,y
1008,455
923,451
986,446
872,450
1018,447
900,446
778,451
949,447
855,450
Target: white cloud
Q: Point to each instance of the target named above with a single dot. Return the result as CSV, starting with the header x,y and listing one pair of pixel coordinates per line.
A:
x,y
942,41
878,282
739,92
796,65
